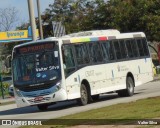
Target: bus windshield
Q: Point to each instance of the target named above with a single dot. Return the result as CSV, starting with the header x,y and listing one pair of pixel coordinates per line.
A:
x,y
37,66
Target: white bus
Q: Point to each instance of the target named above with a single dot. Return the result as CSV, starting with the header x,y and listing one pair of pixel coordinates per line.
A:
x,y
80,66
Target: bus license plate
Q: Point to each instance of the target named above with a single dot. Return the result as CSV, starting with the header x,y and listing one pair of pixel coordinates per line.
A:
x,y
40,98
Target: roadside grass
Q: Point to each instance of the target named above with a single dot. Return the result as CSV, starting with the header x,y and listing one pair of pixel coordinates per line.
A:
x,y
123,113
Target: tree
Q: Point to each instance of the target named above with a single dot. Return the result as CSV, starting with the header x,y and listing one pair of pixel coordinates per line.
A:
x,y
59,11
8,18
72,13
136,15
124,15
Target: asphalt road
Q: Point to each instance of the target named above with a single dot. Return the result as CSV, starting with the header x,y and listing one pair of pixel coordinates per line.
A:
x,y
70,107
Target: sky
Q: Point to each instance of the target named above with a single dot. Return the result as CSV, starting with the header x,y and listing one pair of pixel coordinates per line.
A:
x,y
22,7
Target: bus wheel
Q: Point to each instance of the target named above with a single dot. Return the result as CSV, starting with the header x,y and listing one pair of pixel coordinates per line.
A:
x,y
95,97
130,87
42,107
129,91
83,100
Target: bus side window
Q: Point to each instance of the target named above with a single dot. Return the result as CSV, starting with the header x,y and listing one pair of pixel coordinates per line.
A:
x,y
129,48
111,51
123,49
105,51
68,59
140,47
95,52
134,48
82,56
145,47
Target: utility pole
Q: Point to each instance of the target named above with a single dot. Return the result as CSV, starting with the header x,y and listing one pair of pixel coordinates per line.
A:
x,y
1,86
39,18
32,19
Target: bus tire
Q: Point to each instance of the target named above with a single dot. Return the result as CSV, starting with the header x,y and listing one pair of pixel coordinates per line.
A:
x,y
129,91
42,107
130,86
83,100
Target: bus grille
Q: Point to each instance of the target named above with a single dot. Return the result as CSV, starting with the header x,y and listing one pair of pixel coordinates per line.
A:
x,y
37,94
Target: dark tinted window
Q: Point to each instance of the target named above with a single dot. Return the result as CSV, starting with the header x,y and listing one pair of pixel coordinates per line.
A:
x,y
107,51
140,47
68,59
123,49
145,47
134,48
95,52
129,48
117,49
81,54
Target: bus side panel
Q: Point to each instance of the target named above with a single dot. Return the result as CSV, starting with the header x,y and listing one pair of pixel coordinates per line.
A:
x,y
145,73
115,80
73,86
109,77
116,74
95,75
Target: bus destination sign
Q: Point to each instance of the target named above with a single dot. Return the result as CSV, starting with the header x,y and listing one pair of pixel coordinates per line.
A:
x,y
35,48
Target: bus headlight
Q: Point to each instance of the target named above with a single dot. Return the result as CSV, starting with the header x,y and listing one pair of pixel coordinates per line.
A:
x,y
58,86
17,91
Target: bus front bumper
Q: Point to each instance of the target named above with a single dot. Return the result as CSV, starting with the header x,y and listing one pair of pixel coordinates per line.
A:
x,y
46,99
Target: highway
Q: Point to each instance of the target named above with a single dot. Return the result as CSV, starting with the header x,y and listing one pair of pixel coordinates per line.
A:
x,y
70,107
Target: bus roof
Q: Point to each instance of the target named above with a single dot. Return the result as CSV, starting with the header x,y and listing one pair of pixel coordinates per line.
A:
x,y
87,36
94,33
103,37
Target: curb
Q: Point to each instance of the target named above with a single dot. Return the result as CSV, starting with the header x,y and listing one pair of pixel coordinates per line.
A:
x,y
7,100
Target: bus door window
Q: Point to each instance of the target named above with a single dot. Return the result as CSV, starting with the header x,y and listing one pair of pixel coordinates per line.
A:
x,y
68,59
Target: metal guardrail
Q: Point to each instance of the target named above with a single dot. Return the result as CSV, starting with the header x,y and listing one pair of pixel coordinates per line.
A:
x,y
1,85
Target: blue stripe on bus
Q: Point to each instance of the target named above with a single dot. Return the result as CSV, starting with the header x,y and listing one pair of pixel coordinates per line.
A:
x,y
79,78
112,74
94,39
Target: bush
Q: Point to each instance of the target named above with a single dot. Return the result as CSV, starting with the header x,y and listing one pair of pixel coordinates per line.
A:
x,y
5,85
